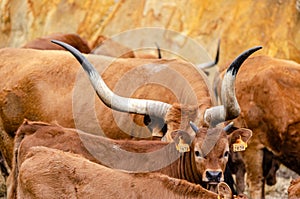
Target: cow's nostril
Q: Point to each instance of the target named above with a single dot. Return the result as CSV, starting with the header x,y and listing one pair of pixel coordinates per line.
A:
x,y
213,176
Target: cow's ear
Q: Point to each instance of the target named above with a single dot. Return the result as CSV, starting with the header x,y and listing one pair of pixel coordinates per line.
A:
x,y
241,135
224,190
182,140
184,136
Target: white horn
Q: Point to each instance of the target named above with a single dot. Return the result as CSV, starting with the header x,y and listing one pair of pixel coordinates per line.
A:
x,y
230,108
110,99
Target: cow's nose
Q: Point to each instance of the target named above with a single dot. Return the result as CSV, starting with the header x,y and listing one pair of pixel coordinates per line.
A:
x,y
214,176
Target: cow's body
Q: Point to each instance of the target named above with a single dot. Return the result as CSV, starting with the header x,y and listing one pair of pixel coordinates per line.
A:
x,y
268,90
136,156
50,173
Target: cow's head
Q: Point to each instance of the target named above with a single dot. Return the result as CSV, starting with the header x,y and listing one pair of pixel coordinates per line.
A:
x,y
209,151
161,111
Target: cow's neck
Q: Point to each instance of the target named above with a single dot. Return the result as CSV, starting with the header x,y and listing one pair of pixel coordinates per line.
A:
x,y
183,168
188,170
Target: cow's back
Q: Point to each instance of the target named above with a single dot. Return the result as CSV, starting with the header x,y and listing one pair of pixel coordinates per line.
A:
x,y
268,90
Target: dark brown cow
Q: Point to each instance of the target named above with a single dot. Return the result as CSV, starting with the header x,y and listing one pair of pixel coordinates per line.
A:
x,y
204,164
44,43
268,90
237,166
50,173
294,189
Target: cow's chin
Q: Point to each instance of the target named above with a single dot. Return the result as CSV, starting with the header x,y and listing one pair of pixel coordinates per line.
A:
x,y
212,186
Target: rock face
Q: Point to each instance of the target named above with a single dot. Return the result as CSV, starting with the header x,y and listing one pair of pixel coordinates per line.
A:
x,y
240,24
22,21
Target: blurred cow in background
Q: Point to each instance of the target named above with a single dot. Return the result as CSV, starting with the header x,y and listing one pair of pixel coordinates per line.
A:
x,y
268,90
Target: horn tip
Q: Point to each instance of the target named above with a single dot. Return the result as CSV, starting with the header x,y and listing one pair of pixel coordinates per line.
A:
x,y
194,127
235,66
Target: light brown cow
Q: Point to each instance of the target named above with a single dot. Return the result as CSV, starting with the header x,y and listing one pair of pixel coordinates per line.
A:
x,y
203,164
50,173
268,90
48,86
44,43
294,189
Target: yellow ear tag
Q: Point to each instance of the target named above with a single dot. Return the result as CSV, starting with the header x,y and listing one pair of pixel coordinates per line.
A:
x,y
239,145
182,146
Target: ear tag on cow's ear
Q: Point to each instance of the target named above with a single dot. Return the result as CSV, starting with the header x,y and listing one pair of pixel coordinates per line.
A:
x,y
239,145
182,146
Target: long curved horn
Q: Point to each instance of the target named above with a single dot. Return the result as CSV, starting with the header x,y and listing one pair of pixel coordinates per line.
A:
x,y
110,99
230,108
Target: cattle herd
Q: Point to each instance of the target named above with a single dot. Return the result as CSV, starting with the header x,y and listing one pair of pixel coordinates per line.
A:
x,y
110,123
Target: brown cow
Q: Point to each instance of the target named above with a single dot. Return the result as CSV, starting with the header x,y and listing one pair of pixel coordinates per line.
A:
x,y
44,43
51,173
47,86
294,189
268,90
203,164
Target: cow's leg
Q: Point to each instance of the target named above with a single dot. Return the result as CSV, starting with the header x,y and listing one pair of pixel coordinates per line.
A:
x,y
6,147
253,158
240,179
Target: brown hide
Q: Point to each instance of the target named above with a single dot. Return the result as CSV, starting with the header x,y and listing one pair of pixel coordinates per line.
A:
x,y
49,173
141,156
107,46
44,43
268,91
294,189
51,86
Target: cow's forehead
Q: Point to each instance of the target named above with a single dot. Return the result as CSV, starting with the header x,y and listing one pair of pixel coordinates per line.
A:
x,y
211,141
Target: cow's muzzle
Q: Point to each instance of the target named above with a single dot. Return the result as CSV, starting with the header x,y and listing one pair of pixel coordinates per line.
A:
x,y
213,176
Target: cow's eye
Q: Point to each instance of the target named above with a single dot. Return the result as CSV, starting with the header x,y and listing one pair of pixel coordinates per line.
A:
x,y
226,154
197,153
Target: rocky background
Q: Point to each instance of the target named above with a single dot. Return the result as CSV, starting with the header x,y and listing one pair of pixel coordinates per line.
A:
x,y
240,24
274,24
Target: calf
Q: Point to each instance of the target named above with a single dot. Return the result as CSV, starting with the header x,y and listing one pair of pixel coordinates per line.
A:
x,y
50,173
294,189
203,163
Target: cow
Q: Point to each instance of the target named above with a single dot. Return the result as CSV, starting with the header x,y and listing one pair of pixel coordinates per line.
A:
x,y
48,86
44,43
294,189
51,173
268,90
237,166
203,163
